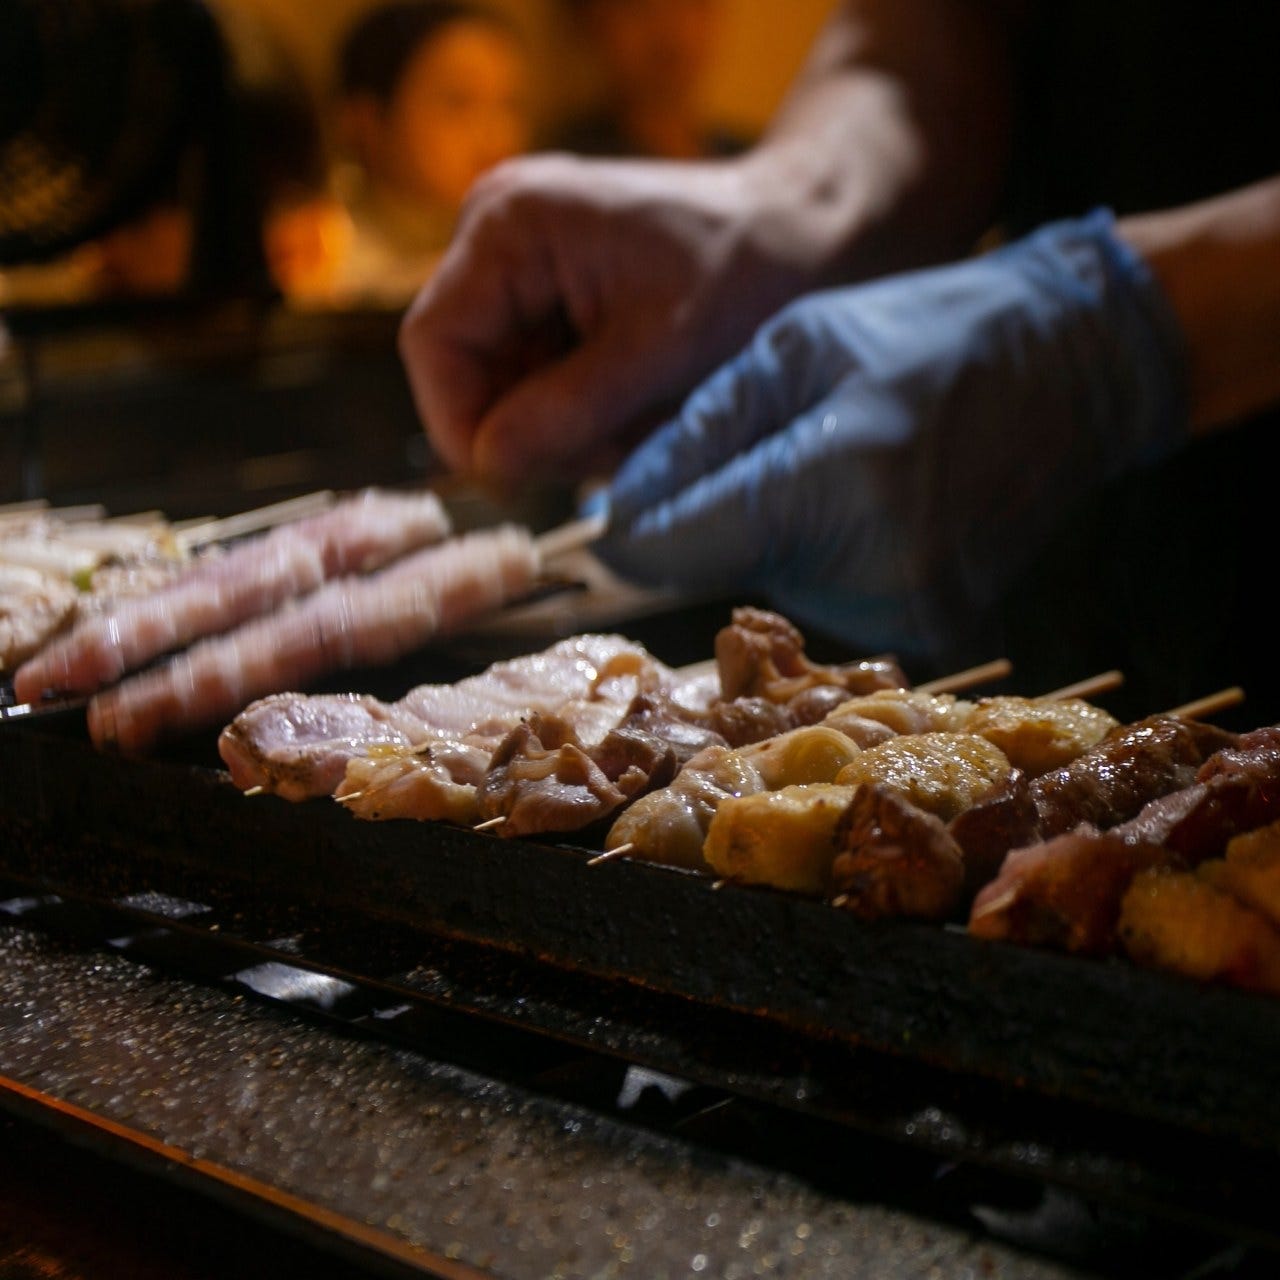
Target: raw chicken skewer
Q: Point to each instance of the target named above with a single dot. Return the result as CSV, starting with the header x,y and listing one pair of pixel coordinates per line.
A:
x,y
217,594
351,621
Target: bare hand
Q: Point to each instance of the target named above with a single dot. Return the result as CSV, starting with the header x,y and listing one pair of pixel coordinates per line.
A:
x,y
580,301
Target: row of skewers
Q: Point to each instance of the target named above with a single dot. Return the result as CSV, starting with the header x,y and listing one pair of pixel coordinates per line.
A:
x,y
1041,820
1037,820
355,581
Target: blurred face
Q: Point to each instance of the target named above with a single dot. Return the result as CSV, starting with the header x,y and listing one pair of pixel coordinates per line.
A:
x,y
459,109
654,49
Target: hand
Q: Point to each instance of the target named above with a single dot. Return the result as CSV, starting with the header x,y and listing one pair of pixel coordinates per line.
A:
x,y
581,299
882,460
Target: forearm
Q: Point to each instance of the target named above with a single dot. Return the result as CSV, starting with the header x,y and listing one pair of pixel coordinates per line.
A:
x,y
890,149
1218,262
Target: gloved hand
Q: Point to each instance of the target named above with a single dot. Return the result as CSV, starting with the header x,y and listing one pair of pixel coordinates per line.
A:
x,y
882,460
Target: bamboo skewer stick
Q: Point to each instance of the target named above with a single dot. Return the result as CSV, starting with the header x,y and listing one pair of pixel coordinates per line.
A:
x,y
997,669
491,824
257,520
618,851
1210,703
1090,687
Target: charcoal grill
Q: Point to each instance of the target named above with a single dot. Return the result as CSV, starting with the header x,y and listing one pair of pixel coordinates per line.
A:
x,y
1130,1089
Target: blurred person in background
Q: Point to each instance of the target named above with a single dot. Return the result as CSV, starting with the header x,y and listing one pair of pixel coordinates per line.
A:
x,y
431,94
152,149
653,57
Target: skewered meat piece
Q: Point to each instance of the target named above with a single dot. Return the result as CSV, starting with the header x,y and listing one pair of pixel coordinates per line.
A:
x,y
435,781
1066,892
670,825
355,536
1180,922
346,623
1039,734
761,653
893,860
941,773
1006,819
1103,786
1250,870
299,746
540,779
887,713
1134,764
1237,790
934,772
783,838
735,723
33,607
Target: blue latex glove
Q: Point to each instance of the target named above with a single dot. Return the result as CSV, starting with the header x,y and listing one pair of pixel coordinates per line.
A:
x,y
882,460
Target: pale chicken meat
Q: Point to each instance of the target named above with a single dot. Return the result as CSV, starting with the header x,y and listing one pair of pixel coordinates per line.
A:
x,y
349,622
432,781
217,593
34,606
301,746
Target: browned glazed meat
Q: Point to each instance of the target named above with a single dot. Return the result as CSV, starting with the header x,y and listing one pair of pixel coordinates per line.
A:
x,y
894,860
761,653
1106,785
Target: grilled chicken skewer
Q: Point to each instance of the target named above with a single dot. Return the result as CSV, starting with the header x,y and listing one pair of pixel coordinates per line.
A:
x,y
554,774
216,594
1066,892
673,825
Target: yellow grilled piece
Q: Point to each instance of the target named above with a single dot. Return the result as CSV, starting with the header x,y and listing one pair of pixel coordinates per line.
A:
x,y
1250,871
1180,922
942,772
1039,734
783,838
